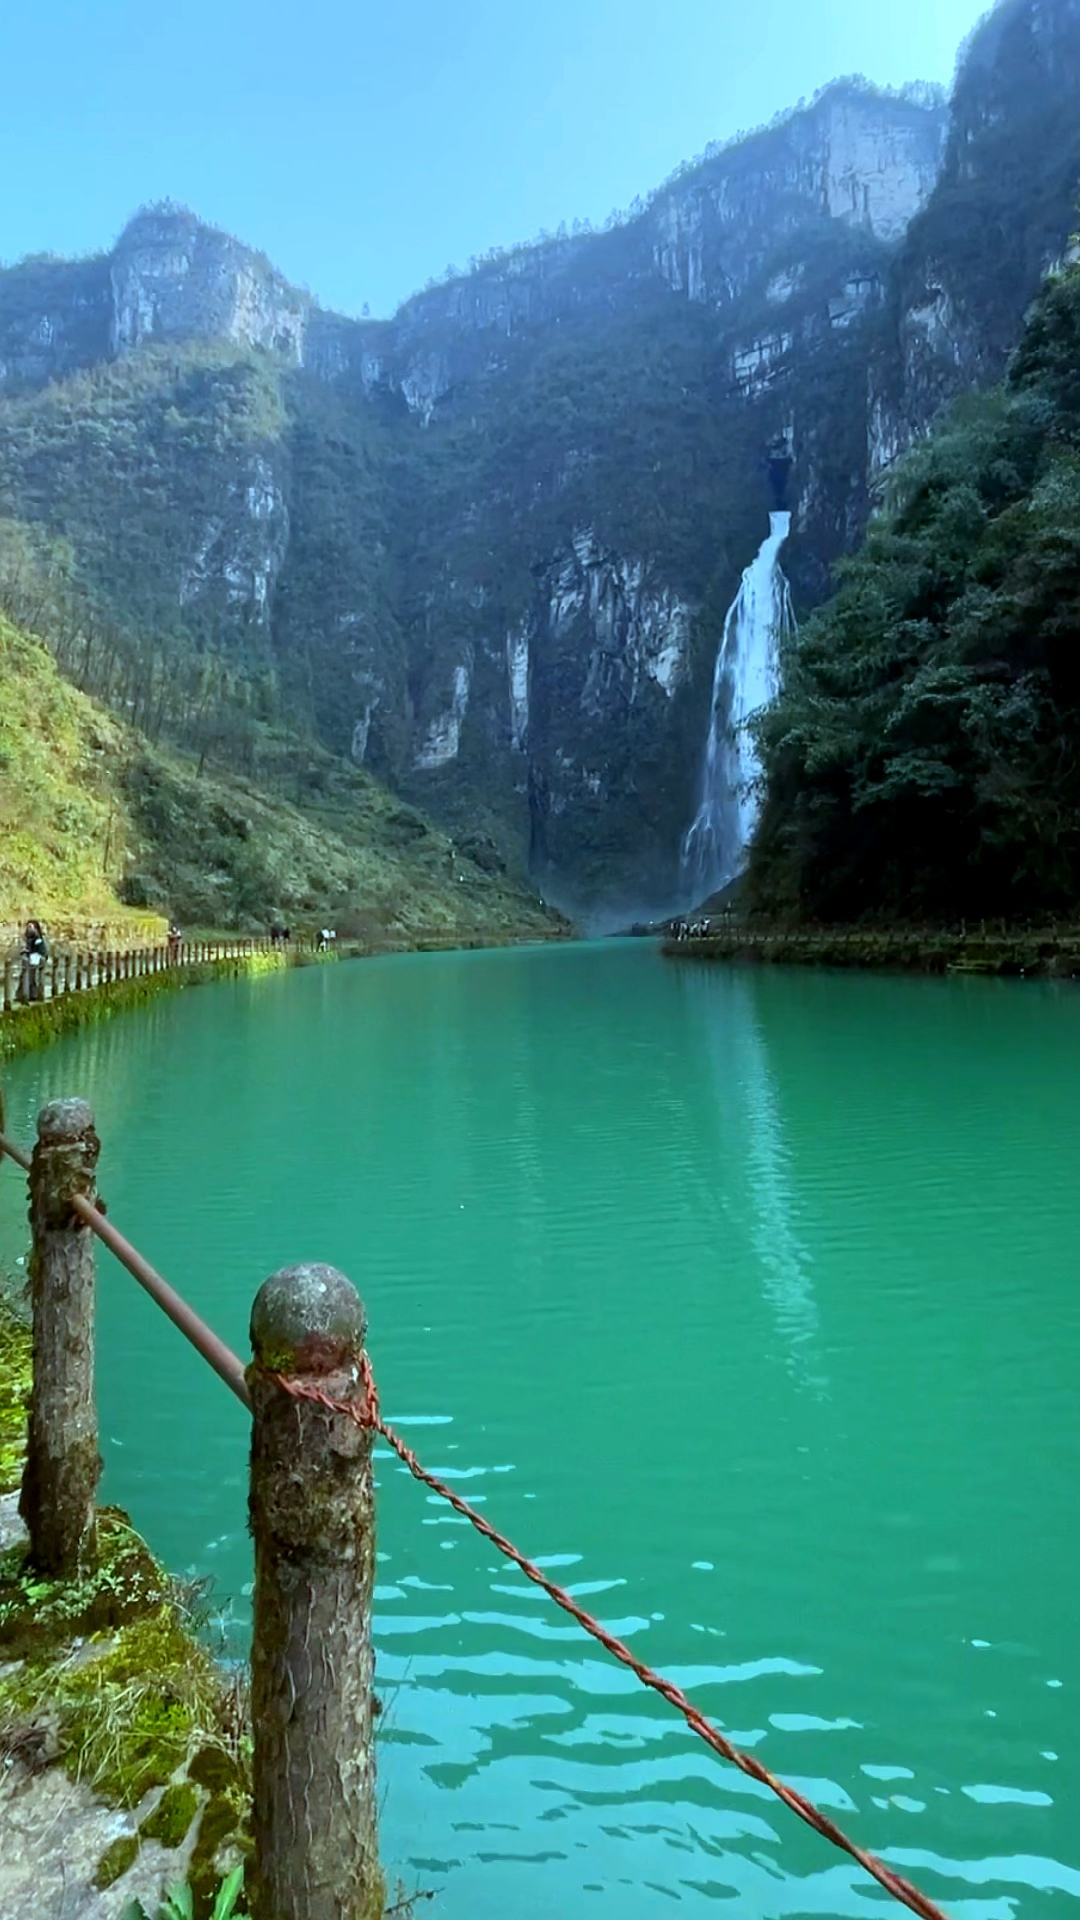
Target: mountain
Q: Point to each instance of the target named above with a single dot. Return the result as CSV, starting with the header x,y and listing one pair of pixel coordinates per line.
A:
x,y
484,549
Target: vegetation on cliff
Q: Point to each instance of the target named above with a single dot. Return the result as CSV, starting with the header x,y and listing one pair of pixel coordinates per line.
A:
x,y
924,758
99,828
63,827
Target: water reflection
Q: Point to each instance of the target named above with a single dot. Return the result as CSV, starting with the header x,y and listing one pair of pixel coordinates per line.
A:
x,y
731,1038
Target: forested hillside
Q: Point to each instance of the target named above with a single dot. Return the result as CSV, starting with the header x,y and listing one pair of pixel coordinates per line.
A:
x,y
104,833
924,757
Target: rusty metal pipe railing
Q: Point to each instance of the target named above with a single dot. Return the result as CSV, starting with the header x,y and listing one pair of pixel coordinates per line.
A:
x,y
204,1340
15,1153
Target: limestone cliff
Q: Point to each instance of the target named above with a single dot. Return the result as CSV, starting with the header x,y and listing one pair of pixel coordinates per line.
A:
x,y
1000,217
171,278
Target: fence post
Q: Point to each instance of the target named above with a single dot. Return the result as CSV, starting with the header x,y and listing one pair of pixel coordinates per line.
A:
x,y
63,1465
312,1669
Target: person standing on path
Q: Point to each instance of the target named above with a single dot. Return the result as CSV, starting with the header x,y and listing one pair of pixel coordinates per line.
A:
x,y
35,952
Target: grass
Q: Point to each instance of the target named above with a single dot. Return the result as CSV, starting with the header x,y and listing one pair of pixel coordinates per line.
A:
x,y
63,830
104,836
106,1676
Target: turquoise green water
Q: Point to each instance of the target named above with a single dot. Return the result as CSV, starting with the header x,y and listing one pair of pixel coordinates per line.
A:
x,y
749,1301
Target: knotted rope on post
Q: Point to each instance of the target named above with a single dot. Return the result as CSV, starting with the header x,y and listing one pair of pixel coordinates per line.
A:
x,y
365,1412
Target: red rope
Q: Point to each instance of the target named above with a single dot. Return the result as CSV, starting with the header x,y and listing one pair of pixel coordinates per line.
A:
x,y
366,1413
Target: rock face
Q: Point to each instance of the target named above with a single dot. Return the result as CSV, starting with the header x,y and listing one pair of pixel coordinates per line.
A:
x,y
999,218
606,649
173,279
486,547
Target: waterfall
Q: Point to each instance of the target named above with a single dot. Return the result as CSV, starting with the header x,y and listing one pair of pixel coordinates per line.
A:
x,y
746,678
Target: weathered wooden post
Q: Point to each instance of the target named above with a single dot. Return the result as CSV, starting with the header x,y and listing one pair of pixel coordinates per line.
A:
x,y
63,1465
312,1668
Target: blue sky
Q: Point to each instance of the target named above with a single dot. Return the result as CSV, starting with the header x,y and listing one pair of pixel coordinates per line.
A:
x,y
365,147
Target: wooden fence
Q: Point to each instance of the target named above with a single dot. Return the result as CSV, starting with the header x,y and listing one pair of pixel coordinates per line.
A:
x,y
975,946
75,970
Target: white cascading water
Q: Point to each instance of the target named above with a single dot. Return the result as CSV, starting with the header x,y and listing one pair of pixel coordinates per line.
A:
x,y
746,678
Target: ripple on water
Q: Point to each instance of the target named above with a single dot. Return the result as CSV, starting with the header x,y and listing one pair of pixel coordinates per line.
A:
x,y
764,1283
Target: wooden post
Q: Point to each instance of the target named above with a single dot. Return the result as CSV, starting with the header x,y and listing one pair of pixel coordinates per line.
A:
x,y
313,1523
63,1465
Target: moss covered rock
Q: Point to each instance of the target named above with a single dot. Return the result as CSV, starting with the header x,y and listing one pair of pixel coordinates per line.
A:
x,y
38,1616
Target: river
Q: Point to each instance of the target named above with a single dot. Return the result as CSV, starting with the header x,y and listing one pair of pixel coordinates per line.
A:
x,y
746,1300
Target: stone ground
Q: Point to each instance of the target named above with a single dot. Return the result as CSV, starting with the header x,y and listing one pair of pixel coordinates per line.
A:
x,y
55,1830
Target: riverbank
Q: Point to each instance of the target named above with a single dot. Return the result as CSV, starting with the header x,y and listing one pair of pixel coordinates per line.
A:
x,y
124,1749
1019,953
24,1028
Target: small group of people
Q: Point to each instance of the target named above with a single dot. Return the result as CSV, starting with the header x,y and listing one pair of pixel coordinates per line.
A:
x,y
689,929
327,935
33,955
280,936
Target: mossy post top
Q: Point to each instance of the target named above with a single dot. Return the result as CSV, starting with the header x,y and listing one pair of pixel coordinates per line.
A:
x,y
307,1319
61,1122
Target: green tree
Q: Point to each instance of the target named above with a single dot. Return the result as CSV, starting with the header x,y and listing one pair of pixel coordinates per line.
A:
x,y
924,758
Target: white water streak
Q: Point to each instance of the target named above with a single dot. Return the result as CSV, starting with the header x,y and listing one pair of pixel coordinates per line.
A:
x,y
746,678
